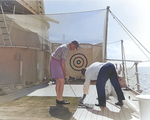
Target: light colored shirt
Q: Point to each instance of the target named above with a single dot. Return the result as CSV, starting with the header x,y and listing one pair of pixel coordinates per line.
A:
x,y
91,73
61,52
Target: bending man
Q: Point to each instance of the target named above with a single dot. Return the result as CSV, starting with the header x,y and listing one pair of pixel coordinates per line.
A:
x,y
102,72
57,65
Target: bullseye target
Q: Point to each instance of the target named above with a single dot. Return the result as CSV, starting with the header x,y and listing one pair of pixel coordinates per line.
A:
x,y
78,61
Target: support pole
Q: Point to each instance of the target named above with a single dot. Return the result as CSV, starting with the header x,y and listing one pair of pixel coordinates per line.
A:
x,y
20,68
122,58
125,73
105,36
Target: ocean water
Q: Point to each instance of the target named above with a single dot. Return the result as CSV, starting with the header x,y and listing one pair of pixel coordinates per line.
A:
x,y
144,79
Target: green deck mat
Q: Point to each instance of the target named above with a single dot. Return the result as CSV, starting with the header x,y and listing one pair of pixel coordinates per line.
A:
x,y
38,108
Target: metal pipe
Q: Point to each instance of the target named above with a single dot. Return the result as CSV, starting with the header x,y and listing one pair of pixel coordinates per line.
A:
x,y
25,48
20,68
124,60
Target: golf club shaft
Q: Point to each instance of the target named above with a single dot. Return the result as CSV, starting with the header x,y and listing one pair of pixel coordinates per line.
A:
x,y
71,88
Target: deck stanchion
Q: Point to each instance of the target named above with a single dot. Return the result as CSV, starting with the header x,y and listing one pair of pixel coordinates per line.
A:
x,y
137,77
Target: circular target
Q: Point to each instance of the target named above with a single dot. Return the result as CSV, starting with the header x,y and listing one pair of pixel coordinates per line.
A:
x,y
78,61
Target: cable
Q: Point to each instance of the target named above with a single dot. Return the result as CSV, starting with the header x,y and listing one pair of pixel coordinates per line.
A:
x,y
130,34
114,42
78,12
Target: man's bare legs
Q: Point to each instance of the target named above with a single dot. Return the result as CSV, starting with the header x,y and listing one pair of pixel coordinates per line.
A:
x,y
59,88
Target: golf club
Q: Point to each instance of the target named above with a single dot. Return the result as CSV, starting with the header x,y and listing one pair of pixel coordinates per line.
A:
x,y
81,105
71,88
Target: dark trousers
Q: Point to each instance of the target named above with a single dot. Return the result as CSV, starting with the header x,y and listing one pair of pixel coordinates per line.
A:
x,y
108,71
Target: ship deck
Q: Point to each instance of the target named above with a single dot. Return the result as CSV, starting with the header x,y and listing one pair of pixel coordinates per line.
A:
x,y
129,111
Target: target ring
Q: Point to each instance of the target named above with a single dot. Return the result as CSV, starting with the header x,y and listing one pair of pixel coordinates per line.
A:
x,y
78,61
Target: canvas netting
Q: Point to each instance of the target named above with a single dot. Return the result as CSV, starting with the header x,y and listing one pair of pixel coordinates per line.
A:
x,y
43,32
85,27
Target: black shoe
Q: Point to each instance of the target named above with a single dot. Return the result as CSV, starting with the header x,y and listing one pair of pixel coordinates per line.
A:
x,y
62,102
119,103
103,105
58,100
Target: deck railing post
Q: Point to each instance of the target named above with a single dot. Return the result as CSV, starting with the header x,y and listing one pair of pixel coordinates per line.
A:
x,y
137,77
122,58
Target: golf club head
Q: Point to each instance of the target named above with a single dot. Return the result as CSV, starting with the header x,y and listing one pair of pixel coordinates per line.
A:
x,y
87,106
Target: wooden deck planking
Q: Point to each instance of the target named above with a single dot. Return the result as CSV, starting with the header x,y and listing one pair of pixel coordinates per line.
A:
x,y
126,112
78,114
88,115
94,114
99,117
105,113
132,111
83,115
110,112
121,115
92,94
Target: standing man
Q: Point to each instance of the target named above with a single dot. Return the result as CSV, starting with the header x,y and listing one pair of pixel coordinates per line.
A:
x,y
102,72
58,68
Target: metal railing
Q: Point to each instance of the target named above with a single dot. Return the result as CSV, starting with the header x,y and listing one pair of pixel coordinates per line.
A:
x,y
133,79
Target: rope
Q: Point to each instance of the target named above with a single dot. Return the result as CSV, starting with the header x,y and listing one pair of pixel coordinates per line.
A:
x,y
146,61
113,42
139,84
130,67
77,12
130,34
143,74
133,85
143,86
131,76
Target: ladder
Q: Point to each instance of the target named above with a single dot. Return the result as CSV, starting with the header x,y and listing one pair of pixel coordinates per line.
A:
x,y
4,31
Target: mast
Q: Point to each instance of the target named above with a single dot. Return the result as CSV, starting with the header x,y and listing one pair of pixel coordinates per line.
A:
x,y
105,36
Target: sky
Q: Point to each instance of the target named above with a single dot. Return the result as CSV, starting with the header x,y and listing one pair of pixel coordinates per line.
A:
x,y
134,14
